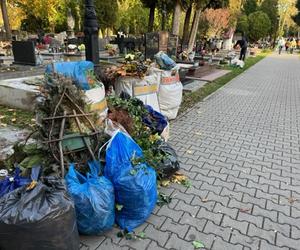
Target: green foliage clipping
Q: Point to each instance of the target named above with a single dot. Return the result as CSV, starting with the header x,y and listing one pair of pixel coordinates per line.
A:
x,y
142,135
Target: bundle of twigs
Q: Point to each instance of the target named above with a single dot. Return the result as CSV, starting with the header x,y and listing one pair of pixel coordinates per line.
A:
x,y
62,114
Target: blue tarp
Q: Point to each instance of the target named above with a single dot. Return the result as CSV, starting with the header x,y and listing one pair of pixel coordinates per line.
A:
x,y
78,71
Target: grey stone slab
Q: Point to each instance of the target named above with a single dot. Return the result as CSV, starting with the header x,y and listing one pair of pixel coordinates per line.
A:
x,y
8,137
193,86
215,75
17,94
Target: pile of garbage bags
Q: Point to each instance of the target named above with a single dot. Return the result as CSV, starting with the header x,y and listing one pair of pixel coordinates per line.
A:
x,y
44,210
161,88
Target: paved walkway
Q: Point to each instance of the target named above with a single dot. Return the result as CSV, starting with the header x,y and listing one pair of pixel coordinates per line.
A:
x,y
241,150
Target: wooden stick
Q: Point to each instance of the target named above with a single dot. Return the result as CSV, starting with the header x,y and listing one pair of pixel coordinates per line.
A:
x,y
61,134
67,116
55,111
71,137
84,138
90,122
52,124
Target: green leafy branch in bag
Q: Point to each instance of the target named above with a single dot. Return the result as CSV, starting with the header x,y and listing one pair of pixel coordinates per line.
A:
x,y
143,135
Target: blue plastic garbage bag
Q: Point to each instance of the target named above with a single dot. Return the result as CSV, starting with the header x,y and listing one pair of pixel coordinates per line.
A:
x,y
94,199
155,120
11,183
135,186
164,61
80,72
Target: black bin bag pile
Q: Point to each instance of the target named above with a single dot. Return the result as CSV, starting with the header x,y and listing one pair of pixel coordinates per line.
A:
x,y
40,216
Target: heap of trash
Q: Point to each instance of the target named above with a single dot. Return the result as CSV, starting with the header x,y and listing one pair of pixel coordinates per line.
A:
x,y
98,155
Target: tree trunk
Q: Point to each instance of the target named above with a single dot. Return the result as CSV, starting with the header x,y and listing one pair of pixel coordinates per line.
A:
x,y
151,18
5,19
186,26
194,30
176,18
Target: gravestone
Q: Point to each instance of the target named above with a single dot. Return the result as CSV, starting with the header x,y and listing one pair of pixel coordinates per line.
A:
x,y
172,46
163,41
24,52
102,43
151,44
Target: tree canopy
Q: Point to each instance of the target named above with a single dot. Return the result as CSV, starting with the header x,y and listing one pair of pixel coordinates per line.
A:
x,y
270,8
181,17
296,18
259,25
249,7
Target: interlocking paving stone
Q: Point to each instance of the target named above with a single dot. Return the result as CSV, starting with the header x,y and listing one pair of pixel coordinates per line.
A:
x,y
240,148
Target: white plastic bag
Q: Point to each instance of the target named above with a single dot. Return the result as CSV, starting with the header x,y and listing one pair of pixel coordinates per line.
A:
x,y
238,63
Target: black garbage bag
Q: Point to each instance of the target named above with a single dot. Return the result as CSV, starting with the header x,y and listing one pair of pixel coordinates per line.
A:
x,y
170,164
42,218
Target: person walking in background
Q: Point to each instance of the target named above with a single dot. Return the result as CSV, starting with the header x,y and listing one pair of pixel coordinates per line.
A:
x,y
287,45
281,44
293,45
243,44
298,43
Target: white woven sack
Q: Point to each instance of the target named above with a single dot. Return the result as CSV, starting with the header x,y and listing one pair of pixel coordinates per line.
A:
x,y
170,94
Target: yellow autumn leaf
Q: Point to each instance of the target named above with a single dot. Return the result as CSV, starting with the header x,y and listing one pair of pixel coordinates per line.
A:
x,y
165,183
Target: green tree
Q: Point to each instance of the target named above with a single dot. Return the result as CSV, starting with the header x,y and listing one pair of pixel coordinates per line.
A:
x,y
249,7
243,24
200,6
259,25
270,8
296,18
186,27
132,17
106,13
151,4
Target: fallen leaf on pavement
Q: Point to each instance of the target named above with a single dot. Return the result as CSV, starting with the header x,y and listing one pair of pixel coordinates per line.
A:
x,y
141,235
198,244
165,183
291,200
178,178
245,210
